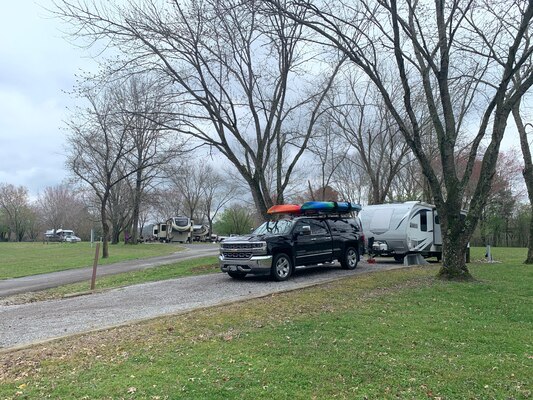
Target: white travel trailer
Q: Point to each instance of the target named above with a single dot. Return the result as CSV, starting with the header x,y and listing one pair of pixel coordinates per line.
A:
x,y
179,229
401,229
200,233
175,229
159,232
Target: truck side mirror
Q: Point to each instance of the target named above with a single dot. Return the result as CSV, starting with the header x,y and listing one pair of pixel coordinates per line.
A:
x,y
306,230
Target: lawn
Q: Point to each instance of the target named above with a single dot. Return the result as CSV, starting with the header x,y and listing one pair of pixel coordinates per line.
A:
x,y
386,335
23,259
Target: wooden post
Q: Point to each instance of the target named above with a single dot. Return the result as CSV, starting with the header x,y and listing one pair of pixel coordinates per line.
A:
x,y
95,264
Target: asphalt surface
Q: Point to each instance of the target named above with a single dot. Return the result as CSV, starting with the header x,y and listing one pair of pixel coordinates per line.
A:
x,y
26,324
10,287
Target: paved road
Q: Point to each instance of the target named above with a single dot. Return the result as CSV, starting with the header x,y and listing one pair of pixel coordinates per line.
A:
x,y
9,287
28,323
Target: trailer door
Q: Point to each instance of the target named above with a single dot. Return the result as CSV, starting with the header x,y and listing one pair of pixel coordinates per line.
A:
x,y
420,231
437,233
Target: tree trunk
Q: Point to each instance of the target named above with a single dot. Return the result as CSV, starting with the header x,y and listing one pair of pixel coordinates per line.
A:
x,y
115,237
529,259
136,208
105,230
260,200
454,246
527,172
454,259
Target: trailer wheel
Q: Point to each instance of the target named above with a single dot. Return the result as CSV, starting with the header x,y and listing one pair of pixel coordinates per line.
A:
x,y
399,258
281,267
350,258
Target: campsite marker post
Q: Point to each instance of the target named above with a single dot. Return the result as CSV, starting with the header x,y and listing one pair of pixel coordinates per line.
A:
x,y
95,264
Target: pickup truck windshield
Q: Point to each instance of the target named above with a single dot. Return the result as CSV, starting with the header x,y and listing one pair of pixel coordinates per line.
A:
x,y
280,227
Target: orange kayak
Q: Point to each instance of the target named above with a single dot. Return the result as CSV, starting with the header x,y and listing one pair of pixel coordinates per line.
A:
x,y
284,209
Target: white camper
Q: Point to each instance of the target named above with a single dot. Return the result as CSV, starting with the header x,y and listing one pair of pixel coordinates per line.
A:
x,y
159,232
179,229
399,229
200,233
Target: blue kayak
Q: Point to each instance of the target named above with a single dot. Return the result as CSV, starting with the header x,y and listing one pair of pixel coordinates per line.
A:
x,y
330,207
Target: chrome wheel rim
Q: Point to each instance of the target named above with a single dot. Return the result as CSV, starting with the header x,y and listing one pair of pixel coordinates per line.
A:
x,y
351,258
282,267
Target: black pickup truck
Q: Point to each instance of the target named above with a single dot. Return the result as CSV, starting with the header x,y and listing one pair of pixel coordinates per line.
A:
x,y
276,248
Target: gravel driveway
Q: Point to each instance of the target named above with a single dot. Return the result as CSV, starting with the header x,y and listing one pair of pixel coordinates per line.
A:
x,y
28,323
10,287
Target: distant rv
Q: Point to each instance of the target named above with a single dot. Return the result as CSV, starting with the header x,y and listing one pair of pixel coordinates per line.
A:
x,y
200,233
61,235
399,229
175,229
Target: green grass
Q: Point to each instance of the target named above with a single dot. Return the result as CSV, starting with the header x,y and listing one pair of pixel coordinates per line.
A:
x,y
23,259
387,335
196,266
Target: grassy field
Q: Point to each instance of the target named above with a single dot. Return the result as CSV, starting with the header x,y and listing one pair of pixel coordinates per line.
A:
x,y
23,259
386,335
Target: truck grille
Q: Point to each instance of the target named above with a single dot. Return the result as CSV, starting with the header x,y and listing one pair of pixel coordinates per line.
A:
x,y
241,246
237,255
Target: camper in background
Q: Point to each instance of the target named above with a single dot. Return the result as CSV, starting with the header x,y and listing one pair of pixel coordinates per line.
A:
x,y
399,229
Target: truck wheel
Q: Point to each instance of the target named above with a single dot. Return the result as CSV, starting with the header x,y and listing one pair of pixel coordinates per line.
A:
x,y
281,267
350,258
236,275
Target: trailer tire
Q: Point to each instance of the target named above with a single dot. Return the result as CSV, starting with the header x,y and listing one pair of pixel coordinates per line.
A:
x,y
399,258
281,267
350,258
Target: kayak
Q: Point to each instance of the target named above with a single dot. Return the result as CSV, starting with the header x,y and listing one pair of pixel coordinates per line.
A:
x,y
284,209
330,207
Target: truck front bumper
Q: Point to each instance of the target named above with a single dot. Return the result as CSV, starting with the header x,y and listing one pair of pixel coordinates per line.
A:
x,y
254,265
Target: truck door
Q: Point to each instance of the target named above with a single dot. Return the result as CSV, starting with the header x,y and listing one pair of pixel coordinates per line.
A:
x,y
315,247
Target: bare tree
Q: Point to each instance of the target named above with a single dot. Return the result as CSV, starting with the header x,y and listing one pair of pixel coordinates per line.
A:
x,y
15,206
120,210
61,206
145,110
97,147
190,179
366,124
462,53
217,193
247,84
350,181
330,151
409,183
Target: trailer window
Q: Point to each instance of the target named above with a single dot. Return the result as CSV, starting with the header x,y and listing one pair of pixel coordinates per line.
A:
x,y
424,221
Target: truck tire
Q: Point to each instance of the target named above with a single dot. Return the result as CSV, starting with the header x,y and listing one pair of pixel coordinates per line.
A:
x,y
350,258
281,267
236,275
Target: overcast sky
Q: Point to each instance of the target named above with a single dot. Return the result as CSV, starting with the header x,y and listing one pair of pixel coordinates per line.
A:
x,y
37,66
